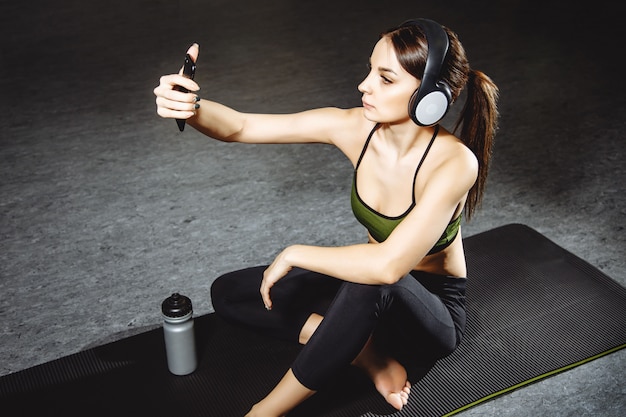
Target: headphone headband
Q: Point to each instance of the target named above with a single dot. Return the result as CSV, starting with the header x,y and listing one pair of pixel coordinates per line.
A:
x,y
431,101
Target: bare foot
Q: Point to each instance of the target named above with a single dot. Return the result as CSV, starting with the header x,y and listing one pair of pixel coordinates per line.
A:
x,y
387,374
391,382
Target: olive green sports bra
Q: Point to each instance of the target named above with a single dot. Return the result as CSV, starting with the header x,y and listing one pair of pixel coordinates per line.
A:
x,y
381,226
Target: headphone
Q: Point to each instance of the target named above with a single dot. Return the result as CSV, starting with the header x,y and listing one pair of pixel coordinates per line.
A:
x,y
431,101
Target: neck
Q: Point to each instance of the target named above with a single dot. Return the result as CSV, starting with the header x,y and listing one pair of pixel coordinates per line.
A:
x,y
403,137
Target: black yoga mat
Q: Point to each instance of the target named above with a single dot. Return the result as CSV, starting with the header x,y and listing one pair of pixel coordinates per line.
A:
x,y
534,309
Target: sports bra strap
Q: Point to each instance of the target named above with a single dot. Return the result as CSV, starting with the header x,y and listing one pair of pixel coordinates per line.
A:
x,y
422,161
419,165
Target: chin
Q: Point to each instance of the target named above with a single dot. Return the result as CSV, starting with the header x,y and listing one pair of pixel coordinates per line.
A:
x,y
369,116
374,116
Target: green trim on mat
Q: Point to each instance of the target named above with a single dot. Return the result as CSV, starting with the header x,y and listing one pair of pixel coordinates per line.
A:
x,y
535,379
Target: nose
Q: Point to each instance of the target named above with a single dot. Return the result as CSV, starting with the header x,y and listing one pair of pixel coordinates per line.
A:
x,y
364,86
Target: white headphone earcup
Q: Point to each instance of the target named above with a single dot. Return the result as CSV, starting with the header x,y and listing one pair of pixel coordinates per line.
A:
x,y
431,108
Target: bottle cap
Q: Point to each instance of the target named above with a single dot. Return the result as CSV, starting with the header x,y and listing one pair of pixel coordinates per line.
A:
x,y
176,305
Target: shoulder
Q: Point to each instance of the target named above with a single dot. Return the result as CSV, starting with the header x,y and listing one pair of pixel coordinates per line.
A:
x,y
333,123
351,131
452,162
454,152
345,122
347,129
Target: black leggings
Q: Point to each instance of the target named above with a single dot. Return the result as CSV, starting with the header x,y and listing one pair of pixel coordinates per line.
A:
x,y
421,317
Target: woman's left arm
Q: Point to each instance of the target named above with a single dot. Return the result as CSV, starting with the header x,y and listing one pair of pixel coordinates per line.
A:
x,y
406,246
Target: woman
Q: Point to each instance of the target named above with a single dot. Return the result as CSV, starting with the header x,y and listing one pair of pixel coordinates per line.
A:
x,y
399,298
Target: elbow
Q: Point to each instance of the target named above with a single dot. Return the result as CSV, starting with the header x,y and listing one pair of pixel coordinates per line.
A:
x,y
388,267
391,273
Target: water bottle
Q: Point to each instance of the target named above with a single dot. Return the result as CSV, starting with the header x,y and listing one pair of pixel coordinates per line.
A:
x,y
178,330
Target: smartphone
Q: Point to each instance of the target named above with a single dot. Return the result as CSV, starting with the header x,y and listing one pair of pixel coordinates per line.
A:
x,y
189,71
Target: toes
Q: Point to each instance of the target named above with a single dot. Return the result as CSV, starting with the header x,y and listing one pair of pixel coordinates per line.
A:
x,y
407,387
399,399
406,391
396,400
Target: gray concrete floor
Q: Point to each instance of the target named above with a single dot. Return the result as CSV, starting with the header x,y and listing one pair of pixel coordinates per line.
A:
x,y
106,209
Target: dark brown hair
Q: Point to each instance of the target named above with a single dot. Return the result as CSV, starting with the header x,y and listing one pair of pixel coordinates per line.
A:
x,y
478,119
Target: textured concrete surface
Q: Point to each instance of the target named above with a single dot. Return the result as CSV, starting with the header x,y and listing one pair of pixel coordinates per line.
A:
x,y
106,209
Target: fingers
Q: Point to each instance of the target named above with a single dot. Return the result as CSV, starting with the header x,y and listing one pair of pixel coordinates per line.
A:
x,y
168,82
176,95
274,273
176,104
176,100
176,110
265,294
168,108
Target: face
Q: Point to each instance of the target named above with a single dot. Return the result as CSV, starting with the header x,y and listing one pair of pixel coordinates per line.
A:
x,y
388,87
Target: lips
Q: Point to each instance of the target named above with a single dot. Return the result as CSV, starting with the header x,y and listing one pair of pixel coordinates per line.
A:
x,y
367,105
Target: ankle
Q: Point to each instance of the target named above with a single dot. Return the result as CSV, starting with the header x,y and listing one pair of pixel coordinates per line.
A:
x,y
309,328
369,358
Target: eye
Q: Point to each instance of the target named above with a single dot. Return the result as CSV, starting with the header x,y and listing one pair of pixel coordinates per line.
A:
x,y
385,80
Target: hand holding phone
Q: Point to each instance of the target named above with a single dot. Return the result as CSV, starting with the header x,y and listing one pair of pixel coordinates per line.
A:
x,y
189,71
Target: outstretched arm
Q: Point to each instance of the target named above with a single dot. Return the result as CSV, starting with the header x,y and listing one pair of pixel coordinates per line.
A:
x,y
326,125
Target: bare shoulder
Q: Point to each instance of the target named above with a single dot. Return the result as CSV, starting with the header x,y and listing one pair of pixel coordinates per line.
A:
x,y
351,132
347,129
341,123
454,160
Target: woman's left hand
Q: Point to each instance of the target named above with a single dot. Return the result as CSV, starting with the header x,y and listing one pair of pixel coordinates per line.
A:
x,y
277,270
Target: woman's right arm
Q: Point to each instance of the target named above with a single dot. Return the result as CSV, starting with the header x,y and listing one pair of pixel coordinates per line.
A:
x,y
324,125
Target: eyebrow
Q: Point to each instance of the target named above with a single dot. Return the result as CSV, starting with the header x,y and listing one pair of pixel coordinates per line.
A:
x,y
383,69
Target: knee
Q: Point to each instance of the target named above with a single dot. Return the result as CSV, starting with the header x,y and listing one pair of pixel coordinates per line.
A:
x,y
360,293
362,297
234,288
218,293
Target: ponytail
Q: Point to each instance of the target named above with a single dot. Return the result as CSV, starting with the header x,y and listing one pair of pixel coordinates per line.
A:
x,y
478,121
478,118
